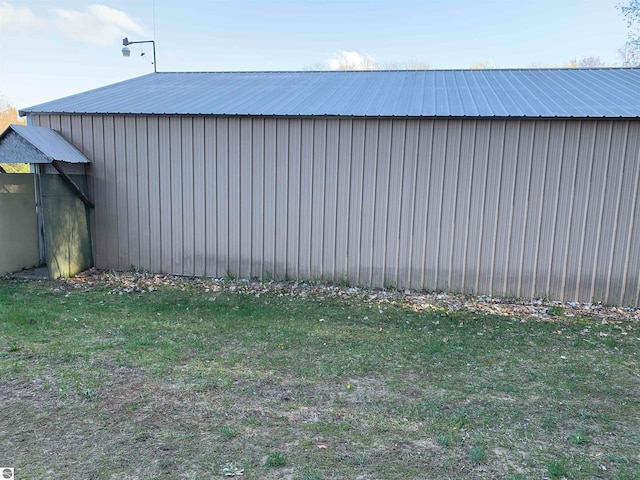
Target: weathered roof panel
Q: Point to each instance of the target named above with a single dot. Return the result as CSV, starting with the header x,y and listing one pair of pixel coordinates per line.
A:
x,y
48,143
606,92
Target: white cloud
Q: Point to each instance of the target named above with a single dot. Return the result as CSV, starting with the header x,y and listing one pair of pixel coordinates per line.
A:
x,y
350,60
99,24
17,18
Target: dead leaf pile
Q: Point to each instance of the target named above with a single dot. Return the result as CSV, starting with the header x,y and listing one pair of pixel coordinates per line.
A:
x,y
120,283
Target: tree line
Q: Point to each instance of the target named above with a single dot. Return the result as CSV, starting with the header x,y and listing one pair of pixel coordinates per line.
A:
x,y
8,116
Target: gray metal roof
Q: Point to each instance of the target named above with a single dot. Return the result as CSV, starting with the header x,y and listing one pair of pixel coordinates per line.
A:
x,y
581,93
46,141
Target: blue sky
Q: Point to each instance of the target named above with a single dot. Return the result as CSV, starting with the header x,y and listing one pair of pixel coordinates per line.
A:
x,y
54,48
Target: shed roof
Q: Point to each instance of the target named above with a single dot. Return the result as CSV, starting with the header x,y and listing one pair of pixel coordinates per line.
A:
x,y
608,92
43,145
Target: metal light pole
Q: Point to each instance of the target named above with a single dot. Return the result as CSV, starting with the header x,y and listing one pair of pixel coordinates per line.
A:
x,y
126,51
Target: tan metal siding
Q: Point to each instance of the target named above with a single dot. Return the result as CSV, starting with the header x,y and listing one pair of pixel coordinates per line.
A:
x,y
269,200
188,184
355,204
460,208
234,200
175,170
501,207
568,165
580,208
417,261
626,271
211,201
86,131
345,139
450,193
381,211
155,196
317,198
281,198
99,181
434,207
506,204
166,197
257,197
522,189
221,214
407,204
131,197
306,199
199,198
293,207
595,207
369,204
111,206
395,195
142,194
245,218
608,225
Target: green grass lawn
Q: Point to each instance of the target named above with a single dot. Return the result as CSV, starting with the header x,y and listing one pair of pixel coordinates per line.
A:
x,y
199,380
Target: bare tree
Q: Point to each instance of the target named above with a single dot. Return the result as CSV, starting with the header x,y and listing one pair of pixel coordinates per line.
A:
x,y
408,65
584,62
483,65
631,12
590,62
8,116
629,55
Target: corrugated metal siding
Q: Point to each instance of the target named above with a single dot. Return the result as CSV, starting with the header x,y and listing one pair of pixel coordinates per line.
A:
x,y
525,208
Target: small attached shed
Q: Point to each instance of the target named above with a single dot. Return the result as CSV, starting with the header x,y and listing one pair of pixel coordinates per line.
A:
x,y
45,214
521,183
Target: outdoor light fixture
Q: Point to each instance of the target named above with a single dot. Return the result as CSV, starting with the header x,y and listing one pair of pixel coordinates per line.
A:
x,y
126,51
